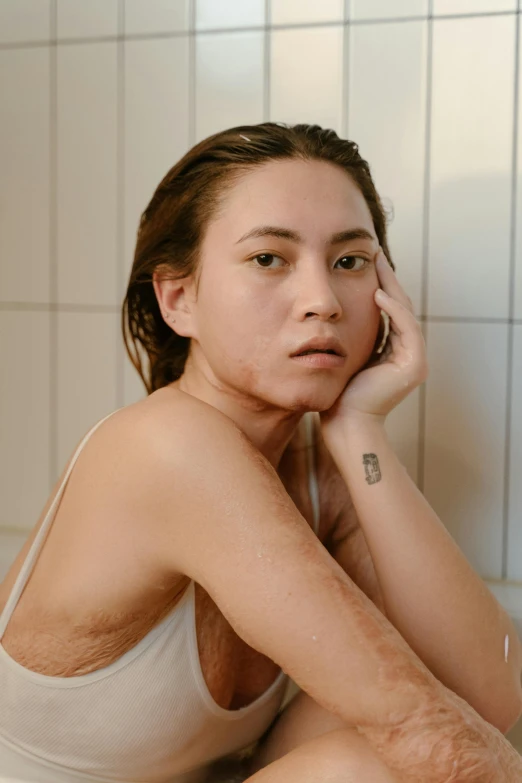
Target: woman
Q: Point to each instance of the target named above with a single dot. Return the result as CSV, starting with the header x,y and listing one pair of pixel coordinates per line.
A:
x,y
181,581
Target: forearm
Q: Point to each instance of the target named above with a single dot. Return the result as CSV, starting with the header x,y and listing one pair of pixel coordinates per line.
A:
x,y
446,742
432,596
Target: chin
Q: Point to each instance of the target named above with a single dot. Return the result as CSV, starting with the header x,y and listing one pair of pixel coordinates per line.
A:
x,y
310,400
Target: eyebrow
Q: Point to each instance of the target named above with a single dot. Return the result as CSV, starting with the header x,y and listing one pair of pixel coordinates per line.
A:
x,y
294,236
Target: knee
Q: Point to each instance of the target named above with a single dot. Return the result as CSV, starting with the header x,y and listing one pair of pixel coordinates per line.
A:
x,y
342,756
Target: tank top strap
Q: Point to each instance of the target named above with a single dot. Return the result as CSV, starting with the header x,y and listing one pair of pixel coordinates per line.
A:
x,y
313,485
28,564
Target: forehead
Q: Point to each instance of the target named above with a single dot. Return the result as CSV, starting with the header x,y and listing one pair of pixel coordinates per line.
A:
x,y
315,196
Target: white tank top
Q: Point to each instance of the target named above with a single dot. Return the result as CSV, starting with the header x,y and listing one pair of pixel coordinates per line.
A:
x,y
148,716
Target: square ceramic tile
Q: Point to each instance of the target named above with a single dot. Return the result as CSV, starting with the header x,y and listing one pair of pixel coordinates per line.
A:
x,y
226,95
133,386
306,11
24,417
464,439
10,545
86,378
306,76
25,178
402,427
471,159
472,6
384,9
25,20
229,13
87,103
518,249
80,19
156,124
515,461
387,119
156,16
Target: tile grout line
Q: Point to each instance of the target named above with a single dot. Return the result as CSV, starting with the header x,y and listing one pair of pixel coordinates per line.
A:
x,y
55,308
347,44
511,308
267,64
421,443
120,197
252,28
192,75
53,250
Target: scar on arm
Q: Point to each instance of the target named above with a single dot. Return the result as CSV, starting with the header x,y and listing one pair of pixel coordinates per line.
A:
x,y
506,647
371,468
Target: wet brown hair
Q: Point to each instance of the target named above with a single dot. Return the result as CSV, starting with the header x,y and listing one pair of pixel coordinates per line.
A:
x,y
188,197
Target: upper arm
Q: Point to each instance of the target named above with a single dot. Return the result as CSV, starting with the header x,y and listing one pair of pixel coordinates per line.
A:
x,y
229,524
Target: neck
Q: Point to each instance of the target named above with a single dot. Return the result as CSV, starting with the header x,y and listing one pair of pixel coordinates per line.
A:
x,y
269,429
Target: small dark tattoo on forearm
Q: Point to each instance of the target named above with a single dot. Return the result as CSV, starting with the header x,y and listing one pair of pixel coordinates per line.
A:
x,y
371,468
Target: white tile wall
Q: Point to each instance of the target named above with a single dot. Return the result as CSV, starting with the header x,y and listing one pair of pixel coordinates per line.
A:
x,y
473,6
228,95
387,99
229,13
25,348
146,17
78,19
518,210
471,161
25,20
25,174
87,174
86,388
383,9
306,76
306,11
10,545
156,124
514,562
465,420
133,386
87,130
402,427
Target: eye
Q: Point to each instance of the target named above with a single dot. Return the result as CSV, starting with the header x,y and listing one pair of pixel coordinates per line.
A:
x,y
365,262
265,261
266,258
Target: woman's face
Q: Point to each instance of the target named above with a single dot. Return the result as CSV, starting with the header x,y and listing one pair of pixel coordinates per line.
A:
x,y
261,295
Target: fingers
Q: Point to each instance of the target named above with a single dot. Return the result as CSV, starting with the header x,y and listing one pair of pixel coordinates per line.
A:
x,y
389,283
409,341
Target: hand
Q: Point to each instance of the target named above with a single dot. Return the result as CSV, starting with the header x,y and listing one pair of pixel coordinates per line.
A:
x,y
384,382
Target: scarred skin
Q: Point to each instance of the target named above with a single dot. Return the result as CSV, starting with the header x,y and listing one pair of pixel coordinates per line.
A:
x,y
359,667
446,742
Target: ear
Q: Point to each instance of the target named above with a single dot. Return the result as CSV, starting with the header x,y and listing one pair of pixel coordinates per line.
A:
x,y
176,300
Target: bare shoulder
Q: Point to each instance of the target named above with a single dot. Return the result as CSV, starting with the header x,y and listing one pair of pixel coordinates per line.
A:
x,y
122,505
155,433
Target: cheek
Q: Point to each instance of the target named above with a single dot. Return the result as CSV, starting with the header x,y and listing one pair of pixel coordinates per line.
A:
x,y
240,328
365,329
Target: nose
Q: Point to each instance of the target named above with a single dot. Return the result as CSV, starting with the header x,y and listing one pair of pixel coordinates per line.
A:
x,y
315,296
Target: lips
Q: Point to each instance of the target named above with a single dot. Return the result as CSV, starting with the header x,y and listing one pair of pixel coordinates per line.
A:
x,y
320,345
307,353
